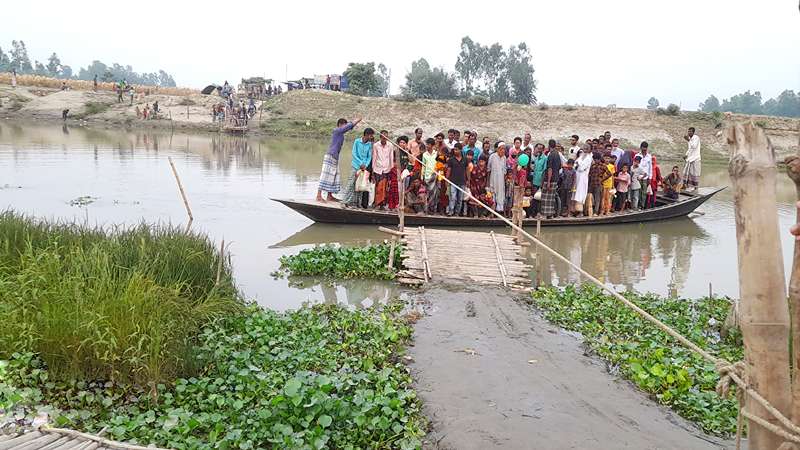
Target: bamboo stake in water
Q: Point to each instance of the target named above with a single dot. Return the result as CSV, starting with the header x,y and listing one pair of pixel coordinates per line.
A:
x,y
183,194
219,264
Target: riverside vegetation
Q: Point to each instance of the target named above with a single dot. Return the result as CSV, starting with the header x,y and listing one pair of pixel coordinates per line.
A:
x,y
369,261
672,374
128,330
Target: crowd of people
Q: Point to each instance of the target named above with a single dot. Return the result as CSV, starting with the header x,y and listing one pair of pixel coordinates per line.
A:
x,y
593,177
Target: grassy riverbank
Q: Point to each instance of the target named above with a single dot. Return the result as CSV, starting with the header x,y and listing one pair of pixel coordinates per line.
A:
x,y
647,356
128,330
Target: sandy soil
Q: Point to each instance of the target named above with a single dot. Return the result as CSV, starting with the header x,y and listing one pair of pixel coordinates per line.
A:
x,y
492,374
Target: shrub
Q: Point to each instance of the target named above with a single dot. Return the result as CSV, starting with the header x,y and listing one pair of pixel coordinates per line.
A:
x,y
478,100
120,305
404,98
716,118
761,123
543,107
570,108
186,101
671,110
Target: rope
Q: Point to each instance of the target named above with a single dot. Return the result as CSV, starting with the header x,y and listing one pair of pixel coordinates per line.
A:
x,y
728,372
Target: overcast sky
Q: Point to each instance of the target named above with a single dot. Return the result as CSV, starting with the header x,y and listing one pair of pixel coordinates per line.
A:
x,y
584,52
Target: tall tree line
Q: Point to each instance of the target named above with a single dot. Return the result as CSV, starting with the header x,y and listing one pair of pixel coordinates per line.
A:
x,y
786,104
500,74
18,59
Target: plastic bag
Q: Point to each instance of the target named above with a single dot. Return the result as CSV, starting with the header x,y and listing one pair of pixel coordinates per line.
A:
x,y
371,190
362,181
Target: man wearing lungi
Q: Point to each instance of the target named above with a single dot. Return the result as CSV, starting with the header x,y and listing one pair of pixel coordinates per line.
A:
x,y
329,179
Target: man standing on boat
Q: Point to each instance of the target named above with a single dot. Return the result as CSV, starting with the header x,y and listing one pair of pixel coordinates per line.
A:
x,y
691,171
329,179
647,166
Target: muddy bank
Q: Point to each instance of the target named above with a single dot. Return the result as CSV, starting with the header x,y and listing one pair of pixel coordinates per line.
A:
x,y
493,375
313,113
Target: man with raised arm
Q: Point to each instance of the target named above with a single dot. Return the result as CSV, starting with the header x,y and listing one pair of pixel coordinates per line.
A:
x,y
329,179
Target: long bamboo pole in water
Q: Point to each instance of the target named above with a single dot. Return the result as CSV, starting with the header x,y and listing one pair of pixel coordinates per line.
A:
x,y
183,194
793,170
762,288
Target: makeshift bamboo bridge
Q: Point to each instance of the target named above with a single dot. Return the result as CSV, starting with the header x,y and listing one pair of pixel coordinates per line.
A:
x,y
62,439
486,258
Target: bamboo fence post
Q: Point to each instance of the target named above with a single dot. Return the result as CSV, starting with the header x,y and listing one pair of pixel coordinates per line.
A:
x,y
763,306
183,194
793,170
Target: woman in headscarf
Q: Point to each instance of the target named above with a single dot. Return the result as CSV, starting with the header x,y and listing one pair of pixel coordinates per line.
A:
x,y
582,166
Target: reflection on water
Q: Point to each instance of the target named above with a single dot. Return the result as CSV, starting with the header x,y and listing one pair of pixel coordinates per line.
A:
x,y
229,180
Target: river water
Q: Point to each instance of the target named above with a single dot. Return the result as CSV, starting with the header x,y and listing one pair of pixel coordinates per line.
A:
x,y
229,181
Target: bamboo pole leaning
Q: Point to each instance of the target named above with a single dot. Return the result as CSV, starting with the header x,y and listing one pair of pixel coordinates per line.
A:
x,y
764,317
793,171
183,194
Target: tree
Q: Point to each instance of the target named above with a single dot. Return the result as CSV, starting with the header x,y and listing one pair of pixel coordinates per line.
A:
x,y
54,65
744,103
710,105
5,61
383,81
787,104
652,104
520,75
470,63
362,77
19,57
165,79
424,82
40,69
66,71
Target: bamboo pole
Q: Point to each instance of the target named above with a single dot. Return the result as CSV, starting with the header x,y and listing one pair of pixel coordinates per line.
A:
x,y
183,194
499,256
793,170
426,267
764,311
219,264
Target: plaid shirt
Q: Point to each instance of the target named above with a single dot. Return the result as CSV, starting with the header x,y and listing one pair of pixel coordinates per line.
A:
x,y
597,174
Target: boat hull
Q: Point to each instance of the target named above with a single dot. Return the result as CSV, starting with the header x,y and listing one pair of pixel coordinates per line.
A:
x,y
329,212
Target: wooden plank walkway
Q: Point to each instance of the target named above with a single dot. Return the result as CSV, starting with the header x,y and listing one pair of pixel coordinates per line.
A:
x,y
486,258
61,439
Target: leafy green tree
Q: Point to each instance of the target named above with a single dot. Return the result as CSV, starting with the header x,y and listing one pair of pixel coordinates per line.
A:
x,y
426,82
470,63
19,57
66,71
710,105
787,104
652,104
520,75
40,69
744,103
165,79
362,77
383,81
53,65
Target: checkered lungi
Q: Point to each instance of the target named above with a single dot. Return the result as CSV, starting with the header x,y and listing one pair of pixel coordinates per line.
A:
x,y
329,178
548,202
348,196
691,173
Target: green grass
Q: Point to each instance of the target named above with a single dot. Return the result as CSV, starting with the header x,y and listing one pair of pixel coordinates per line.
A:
x,y
319,377
646,355
92,108
123,305
330,261
297,127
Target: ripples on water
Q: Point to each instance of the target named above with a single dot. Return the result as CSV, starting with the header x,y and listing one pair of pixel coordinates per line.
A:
x,y
228,181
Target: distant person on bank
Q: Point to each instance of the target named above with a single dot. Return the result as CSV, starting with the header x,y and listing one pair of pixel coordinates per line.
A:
x,y
329,179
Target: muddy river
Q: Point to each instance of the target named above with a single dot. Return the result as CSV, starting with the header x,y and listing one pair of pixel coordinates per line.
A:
x,y
229,181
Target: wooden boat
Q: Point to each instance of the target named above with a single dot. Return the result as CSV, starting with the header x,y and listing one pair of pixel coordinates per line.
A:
x,y
334,212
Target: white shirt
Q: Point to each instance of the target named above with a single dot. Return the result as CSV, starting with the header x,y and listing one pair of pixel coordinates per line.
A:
x,y
573,151
450,144
647,165
693,152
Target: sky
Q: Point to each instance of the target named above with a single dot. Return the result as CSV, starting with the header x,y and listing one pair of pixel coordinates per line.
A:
x,y
584,52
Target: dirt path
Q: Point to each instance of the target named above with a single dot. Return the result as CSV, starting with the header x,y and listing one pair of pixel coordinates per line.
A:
x,y
528,385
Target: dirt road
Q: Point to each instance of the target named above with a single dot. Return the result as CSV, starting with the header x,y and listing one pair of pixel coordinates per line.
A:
x,y
494,375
